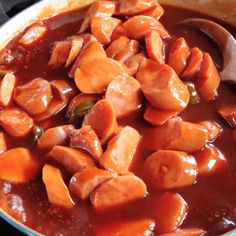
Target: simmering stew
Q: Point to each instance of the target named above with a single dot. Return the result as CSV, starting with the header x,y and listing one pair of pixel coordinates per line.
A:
x,y
117,125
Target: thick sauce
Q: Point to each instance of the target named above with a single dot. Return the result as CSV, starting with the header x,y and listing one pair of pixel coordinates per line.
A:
x,y
211,201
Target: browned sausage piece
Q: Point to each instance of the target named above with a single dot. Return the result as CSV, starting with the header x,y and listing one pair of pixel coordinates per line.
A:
x,y
73,160
54,136
208,79
85,181
124,93
86,139
162,86
179,135
102,119
117,191
156,11
57,191
138,227
209,159
34,96
132,7
178,55
228,112
186,232
3,145
120,150
170,169
60,53
214,129
171,211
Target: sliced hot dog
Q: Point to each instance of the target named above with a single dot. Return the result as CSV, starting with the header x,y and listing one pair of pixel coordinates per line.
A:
x,y
57,191
154,45
102,119
171,211
128,228
103,27
116,46
3,145
162,87
19,165
54,136
178,55
118,32
72,159
228,112
85,181
170,169
7,87
86,139
193,63
209,159
16,122
95,76
60,53
92,50
124,93
132,7
214,129
208,78
156,116
138,26
117,191
34,96
179,135
120,150
99,8
186,232
156,11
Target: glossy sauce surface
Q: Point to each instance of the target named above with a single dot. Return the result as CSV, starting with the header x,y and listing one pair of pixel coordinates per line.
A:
x,y
211,201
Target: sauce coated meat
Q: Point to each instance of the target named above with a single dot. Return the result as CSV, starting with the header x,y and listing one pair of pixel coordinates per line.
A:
x,y
117,125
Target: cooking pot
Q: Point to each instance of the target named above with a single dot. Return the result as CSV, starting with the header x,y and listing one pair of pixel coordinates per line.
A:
x,y
224,10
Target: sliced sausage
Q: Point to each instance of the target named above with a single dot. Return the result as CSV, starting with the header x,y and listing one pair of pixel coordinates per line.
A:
x,y
19,165
179,135
95,76
124,93
72,159
103,27
33,35
171,211
54,136
193,63
162,87
3,145
228,112
7,87
57,191
208,78
127,228
156,116
138,26
209,159
77,43
170,169
34,96
132,7
178,55
156,11
60,53
99,8
116,46
92,50
117,191
154,45
187,232
118,32
120,150
214,129
86,139
16,122
102,119
84,182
